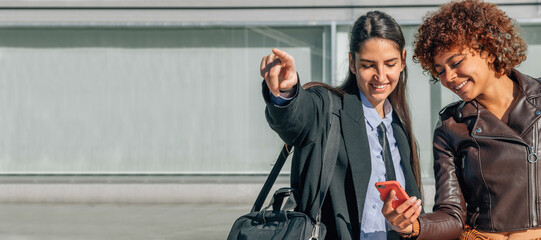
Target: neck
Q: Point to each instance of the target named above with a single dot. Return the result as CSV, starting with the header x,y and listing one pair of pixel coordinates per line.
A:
x,y
500,96
378,105
379,109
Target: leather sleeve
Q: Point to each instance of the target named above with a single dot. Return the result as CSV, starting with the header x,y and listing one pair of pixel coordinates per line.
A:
x,y
449,212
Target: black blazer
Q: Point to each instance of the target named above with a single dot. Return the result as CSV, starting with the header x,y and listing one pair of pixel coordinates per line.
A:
x,y
304,123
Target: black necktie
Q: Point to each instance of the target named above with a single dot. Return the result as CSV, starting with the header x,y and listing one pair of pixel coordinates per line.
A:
x,y
387,157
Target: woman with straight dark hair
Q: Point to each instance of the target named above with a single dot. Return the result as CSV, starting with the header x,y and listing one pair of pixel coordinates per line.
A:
x,y
376,142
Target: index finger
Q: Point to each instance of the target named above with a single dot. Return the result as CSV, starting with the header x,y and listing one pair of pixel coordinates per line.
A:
x,y
263,66
284,57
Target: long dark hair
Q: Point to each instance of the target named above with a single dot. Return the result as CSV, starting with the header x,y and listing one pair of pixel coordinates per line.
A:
x,y
377,24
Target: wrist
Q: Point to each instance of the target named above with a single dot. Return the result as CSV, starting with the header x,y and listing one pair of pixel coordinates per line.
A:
x,y
288,93
416,228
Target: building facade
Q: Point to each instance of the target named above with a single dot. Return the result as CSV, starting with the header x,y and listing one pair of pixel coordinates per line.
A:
x,y
131,100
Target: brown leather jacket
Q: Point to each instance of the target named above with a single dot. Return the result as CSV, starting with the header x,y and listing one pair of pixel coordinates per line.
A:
x,y
487,172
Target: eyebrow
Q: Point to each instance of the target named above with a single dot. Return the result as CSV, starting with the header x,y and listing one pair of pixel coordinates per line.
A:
x,y
370,61
449,59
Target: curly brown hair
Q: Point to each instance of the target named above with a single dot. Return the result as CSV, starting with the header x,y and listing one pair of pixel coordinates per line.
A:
x,y
470,24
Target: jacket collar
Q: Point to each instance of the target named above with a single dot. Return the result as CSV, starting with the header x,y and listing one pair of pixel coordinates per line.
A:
x,y
353,107
530,86
527,109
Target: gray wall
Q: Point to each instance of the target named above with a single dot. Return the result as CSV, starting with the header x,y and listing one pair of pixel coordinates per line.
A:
x,y
182,100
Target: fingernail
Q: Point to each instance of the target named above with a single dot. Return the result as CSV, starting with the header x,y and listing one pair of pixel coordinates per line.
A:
x,y
413,199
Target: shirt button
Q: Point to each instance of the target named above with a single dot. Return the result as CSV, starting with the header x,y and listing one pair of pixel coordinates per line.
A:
x,y
378,156
374,206
380,179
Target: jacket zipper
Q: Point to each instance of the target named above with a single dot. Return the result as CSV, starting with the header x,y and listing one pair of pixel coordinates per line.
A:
x,y
532,159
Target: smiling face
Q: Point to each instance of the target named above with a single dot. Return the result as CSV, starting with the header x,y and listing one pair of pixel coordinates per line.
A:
x,y
377,67
466,73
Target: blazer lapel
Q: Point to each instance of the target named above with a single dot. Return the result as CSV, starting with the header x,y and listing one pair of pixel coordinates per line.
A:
x,y
357,148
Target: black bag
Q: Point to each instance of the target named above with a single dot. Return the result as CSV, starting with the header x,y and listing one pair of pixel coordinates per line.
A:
x,y
278,223
284,222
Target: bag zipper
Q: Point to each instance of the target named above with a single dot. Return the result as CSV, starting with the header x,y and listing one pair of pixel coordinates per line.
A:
x,y
315,230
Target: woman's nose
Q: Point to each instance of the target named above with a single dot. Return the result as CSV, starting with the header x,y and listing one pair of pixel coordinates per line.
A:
x,y
449,76
380,75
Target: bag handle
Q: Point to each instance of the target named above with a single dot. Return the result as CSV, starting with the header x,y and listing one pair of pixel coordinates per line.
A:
x,y
277,201
280,195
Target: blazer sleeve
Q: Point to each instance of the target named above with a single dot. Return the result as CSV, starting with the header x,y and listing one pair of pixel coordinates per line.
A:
x,y
297,121
449,212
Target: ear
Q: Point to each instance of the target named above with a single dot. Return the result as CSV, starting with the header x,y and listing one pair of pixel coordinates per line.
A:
x,y
352,64
491,59
488,56
403,59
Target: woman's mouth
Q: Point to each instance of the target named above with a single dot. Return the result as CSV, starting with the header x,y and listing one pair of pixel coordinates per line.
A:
x,y
461,85
379,86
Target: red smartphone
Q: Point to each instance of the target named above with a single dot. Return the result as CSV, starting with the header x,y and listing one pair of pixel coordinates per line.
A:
x,y
385,188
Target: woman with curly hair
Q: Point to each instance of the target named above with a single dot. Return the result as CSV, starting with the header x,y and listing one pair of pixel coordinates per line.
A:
x,y
486,147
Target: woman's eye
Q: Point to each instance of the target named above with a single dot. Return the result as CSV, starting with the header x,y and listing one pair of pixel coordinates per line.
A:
x,y
458,63
366,66
441,72
391,65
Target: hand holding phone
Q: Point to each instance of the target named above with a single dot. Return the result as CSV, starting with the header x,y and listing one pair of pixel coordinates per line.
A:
x,y
385,188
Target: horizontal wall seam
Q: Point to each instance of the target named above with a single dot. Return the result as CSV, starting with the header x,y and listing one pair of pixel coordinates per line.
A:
x,y
244,7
